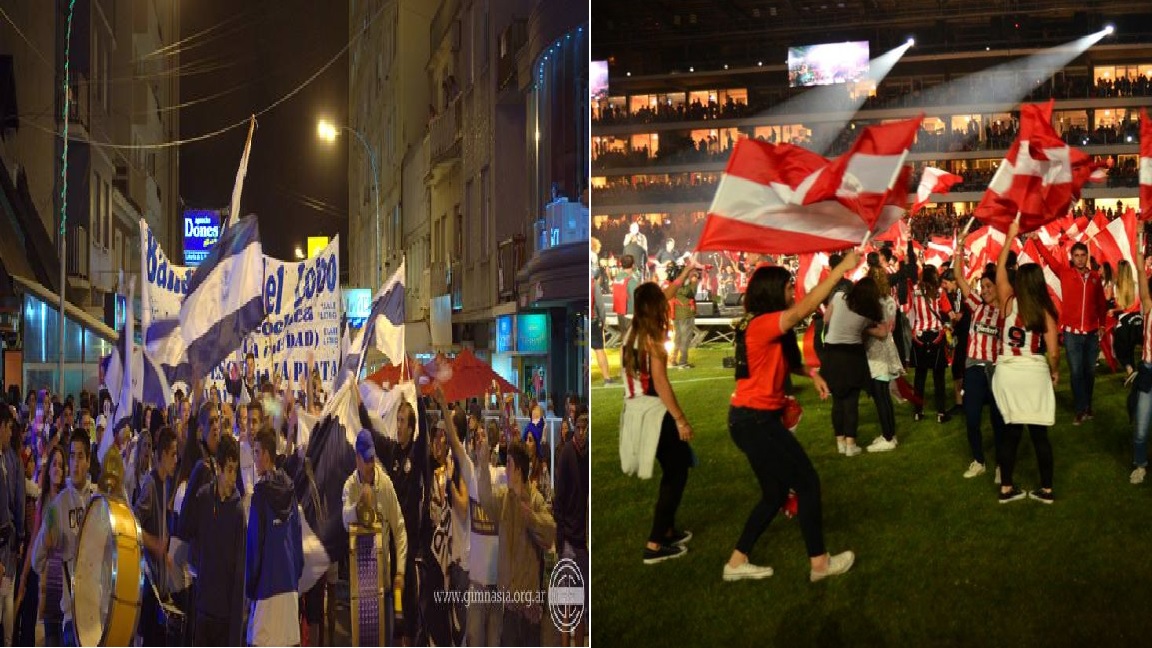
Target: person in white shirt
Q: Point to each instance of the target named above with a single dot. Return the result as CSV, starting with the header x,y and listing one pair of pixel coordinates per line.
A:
x,y
370,485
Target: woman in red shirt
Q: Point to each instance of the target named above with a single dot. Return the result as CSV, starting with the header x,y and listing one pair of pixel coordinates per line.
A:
x,y
766,351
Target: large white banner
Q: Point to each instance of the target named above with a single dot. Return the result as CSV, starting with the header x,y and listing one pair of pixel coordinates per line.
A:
x,y
302,299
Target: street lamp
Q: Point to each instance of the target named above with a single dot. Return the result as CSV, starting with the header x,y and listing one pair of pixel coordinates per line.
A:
x,y
328,132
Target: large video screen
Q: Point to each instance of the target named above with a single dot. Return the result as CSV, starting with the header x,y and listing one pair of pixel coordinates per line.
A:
x,y
598,79
827,63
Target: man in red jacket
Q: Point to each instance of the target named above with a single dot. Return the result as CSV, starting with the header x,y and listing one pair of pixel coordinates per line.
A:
x,y
1080,320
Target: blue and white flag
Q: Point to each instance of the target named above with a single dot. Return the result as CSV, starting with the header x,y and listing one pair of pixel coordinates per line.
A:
x,y
139,380
225,303
384,328
329,459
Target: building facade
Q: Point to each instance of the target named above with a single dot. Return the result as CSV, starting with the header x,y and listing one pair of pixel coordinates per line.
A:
x,y
462,195
122,87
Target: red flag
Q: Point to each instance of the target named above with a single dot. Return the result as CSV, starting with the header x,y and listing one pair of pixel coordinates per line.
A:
x,y
782,199
1040,176
810,272
1145,165
983,247
1031,255
933,181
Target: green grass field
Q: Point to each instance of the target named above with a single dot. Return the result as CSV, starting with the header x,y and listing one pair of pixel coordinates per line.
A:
x,y
939,561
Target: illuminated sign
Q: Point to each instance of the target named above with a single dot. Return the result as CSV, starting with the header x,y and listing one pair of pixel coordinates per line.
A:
x,y
531,333
357,305
201,231
504,334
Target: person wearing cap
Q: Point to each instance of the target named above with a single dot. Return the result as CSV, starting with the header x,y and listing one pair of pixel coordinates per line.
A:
x,y
370,486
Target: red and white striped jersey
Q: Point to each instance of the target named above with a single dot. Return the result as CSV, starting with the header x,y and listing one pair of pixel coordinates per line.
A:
x,y
1146,354
927,312
1016,339
984,330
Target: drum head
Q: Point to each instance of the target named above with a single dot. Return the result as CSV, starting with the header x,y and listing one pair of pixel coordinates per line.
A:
x,y
95,560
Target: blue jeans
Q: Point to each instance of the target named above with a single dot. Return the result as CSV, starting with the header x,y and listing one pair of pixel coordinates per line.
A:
x,y
1082,350
977,394
1143,421
69,635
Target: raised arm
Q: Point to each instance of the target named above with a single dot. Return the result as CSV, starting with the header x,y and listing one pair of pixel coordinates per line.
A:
x,y
1058,265
1003,286
958,270
813,299
1141,277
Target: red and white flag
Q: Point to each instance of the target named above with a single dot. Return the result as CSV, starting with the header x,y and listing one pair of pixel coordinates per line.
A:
x,y
982,247
783,199
1145,165
1031,255
1040,176
1116,241
898,234
933,181
939,250
813,267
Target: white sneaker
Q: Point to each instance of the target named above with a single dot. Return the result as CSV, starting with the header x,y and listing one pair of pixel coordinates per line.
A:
x,y
837,565
746,571
976,468
883,445
852,450
997,480
841,447
1137,476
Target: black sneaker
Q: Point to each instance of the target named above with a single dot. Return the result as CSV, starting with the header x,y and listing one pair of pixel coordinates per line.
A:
x,y
1012,495
679,538
917,416
665,552
943,417
1040,496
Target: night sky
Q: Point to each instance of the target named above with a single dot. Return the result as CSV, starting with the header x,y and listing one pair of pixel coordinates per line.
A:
x,y
256,52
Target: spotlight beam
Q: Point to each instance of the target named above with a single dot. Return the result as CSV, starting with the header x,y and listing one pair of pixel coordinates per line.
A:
x,y
817,100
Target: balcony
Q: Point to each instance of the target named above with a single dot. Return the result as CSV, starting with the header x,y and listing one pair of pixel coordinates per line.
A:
x,y
511,257
444,138
439,281
512,39
76,262
444,23
456,283
79,111
132,184
563,223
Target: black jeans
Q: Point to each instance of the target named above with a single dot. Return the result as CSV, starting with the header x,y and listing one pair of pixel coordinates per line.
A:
x,y
675,457
211,631
25,634
882,396
780,464
930,356
846,413
1006,453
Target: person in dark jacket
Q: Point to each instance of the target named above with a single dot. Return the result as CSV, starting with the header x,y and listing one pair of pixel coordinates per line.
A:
x,y
570,510
274,553
213,521
151,509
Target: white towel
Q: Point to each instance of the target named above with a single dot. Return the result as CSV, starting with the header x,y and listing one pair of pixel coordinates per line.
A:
x,y
640,434
1022,386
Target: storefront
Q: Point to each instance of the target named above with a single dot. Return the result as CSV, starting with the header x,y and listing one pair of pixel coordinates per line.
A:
x,y
522,354
86,340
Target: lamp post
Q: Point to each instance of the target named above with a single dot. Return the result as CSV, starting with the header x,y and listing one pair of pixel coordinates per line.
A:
x,y
328,131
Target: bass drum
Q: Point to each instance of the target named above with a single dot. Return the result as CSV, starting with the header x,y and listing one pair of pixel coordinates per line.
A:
x,y
109,578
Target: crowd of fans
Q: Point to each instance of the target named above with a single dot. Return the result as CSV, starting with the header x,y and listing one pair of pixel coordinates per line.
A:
x,y
201,474
896,93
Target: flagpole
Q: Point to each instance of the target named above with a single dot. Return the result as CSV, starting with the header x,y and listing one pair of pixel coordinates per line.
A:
x,y
967,227
867,237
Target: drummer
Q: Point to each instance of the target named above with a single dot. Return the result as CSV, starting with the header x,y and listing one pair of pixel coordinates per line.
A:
x,y
370,486
151,509
62,524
